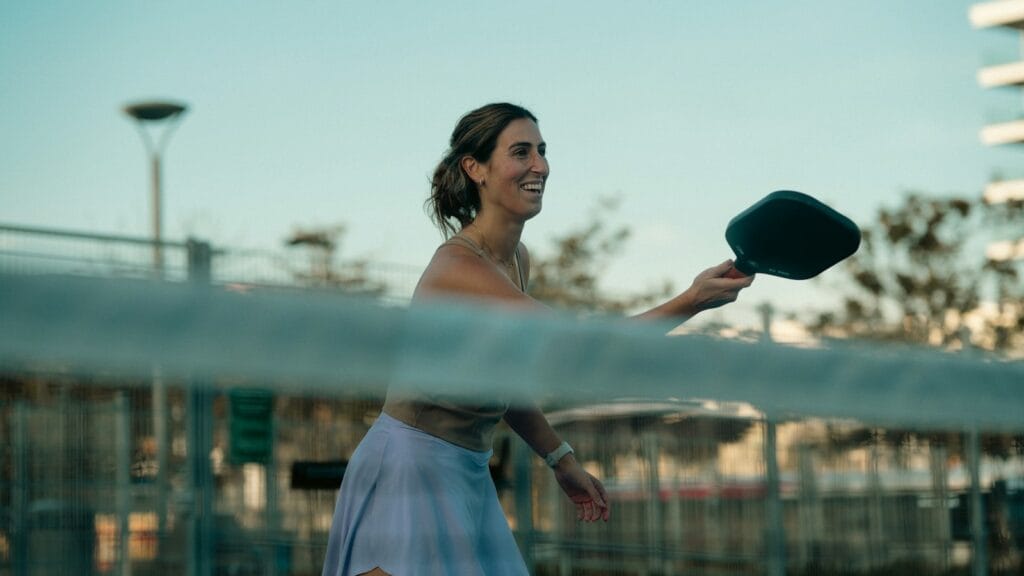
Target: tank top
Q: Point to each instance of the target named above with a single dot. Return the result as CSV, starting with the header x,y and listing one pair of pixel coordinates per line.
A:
x,y
470,425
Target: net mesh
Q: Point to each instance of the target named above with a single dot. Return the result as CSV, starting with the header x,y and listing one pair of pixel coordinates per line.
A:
x,y
120,409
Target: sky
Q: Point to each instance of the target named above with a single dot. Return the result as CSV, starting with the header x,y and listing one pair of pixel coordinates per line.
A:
x,y
317,113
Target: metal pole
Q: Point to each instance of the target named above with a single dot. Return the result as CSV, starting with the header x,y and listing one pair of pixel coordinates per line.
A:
x,y
144,113
201,528
19,505
979,558
521,455
272,512
123,481
161,438
943,537
200,261
775,531
878,554
62,493
810,510
767,313
655,525
157,201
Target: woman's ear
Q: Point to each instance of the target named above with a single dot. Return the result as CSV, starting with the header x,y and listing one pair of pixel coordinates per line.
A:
x,y
474,169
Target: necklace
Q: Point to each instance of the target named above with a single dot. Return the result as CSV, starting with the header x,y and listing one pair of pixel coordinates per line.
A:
x,y
482,249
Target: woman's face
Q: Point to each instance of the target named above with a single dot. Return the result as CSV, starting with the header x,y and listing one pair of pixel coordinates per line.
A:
x,y
514,177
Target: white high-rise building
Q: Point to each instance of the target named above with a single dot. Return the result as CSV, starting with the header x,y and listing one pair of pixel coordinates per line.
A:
x,y
1003,14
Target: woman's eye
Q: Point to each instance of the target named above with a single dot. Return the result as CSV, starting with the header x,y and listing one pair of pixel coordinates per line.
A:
x,y
520,153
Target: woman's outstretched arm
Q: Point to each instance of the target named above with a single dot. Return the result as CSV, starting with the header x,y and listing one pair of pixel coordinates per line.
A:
x,y
455,271
714,287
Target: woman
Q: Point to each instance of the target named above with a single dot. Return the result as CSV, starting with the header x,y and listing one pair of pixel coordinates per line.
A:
x,y
417,496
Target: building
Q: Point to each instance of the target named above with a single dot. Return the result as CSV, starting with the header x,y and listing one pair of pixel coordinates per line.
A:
x,y
1007,14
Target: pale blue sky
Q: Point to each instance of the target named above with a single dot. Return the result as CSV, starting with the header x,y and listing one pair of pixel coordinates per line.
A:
x,y
314,113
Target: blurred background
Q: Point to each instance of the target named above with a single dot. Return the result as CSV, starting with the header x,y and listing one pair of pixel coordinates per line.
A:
x,y
275,148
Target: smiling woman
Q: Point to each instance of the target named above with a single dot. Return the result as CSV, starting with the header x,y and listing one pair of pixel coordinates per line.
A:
x,y
514,177
417,497
454,195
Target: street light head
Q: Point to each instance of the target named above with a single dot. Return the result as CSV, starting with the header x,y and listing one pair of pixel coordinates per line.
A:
x,y
155,111
148,111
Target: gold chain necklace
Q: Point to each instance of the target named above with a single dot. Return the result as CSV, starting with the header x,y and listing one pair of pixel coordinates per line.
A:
x,y
485,251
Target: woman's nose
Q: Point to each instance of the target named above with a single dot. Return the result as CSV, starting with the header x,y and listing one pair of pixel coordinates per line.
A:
x,y
540,165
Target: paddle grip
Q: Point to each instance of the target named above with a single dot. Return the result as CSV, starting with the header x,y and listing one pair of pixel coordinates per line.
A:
x,y
740,268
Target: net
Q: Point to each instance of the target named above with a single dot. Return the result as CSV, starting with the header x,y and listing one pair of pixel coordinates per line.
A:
x,y
185,427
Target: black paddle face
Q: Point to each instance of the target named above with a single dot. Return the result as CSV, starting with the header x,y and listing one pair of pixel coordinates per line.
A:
x,y
791,235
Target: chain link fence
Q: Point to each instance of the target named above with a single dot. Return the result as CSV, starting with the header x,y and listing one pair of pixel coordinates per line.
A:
x,y
105,476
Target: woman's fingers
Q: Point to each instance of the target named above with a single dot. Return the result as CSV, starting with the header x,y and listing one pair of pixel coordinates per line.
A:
x,y
605,509
600,499
591,511
715,271
733,272
586,510
588,495
722,268
718,285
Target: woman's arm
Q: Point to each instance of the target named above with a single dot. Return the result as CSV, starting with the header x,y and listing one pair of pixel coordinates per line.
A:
x,y
457,271
714,287
585,491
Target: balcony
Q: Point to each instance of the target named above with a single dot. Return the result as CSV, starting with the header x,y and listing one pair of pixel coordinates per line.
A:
x,y
1009,13
1011,132
1011,74
1005,250
1011,190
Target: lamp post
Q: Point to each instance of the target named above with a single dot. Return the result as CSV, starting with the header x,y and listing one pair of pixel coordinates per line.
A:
x,y
168,113
152,112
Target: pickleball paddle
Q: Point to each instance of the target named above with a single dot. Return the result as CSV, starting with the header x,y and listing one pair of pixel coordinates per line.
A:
x,y
791,235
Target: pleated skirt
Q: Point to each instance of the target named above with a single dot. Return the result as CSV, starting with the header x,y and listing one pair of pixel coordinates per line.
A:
x,y
412,504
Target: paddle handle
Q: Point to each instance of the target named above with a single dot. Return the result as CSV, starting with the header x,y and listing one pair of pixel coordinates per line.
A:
x,y
740,268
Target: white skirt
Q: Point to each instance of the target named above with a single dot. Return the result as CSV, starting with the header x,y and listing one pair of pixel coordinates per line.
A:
x,y
413,504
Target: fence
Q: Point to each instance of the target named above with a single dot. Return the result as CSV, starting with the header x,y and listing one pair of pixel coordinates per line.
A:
x,y
690,488
109,475
34,250
98,472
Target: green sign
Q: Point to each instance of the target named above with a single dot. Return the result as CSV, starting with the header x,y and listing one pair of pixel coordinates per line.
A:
x,y
252,426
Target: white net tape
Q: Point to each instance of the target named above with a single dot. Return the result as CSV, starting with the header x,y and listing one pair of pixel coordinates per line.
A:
x,y
327,342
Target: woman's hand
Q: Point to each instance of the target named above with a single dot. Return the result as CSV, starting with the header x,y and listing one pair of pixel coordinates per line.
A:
x,y
585,491
717,286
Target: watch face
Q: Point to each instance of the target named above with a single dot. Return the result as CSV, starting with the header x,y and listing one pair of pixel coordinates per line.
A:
x,y
558,453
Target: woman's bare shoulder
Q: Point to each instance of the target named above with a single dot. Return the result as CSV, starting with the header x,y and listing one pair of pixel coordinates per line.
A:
x,y
456,270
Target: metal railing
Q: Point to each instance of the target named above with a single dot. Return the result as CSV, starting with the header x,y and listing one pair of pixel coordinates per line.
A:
x,y
35,250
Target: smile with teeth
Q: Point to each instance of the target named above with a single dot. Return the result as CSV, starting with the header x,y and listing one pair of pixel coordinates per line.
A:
x,y
536,187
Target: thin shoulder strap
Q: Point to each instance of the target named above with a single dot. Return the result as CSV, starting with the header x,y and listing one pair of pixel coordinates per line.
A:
x,y
519,269
464,242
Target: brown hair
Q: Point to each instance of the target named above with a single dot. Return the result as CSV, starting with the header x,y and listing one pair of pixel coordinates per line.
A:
x,y
453,195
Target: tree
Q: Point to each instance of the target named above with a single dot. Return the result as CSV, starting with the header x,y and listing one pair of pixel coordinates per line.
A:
x,y
921,276
570,277
322,245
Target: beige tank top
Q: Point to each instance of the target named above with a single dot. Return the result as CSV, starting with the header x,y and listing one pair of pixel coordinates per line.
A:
x,y
468,425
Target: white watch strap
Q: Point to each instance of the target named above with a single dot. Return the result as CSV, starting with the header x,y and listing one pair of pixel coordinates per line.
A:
x,y
558,453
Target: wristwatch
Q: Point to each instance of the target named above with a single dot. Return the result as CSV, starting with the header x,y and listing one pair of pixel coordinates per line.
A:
x,y
557,454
